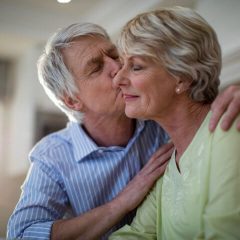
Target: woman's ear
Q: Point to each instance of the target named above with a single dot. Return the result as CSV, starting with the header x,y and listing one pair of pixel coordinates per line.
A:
x,y
73,103
182,85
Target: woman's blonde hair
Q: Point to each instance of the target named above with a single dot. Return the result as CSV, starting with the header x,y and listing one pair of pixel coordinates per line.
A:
x,y
183,42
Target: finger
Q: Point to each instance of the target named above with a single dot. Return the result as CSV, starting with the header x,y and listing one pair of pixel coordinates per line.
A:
x,y
230,115
151,178
163,154
162,158
159,161
218,108
222,102
164,148
150,167
159,172
216,115
166,156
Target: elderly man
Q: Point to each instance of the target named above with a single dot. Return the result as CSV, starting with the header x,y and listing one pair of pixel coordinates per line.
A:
x,y
94,166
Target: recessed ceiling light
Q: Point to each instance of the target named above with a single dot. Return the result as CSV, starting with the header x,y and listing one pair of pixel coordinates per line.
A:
x,y
64,1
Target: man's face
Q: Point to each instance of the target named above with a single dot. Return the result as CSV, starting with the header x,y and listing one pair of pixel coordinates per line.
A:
x,y
94,62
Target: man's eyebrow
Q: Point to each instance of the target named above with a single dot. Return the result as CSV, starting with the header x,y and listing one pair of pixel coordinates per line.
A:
x,y
97,59
93,61
111,50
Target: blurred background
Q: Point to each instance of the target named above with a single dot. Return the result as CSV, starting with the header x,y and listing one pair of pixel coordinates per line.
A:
x,y
26,114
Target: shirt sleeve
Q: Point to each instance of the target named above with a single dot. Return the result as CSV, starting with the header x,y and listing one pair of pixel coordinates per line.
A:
x,y
43,200
144,225
222,213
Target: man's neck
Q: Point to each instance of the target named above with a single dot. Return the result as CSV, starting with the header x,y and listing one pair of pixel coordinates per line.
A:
x,y
110,131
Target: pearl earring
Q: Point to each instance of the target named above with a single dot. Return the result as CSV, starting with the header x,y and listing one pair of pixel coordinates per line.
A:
x,y
177,90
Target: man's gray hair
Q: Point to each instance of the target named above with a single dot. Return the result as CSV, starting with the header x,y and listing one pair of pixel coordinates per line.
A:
x,y
183,42
53,74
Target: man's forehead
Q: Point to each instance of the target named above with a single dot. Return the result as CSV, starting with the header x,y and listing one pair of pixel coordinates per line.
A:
x,y
85,50
91,43
82,46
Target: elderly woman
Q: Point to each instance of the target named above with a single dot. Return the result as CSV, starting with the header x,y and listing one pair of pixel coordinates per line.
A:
x,y
171,61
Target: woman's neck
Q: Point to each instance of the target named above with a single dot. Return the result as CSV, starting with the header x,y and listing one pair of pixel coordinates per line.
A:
x,y
183,123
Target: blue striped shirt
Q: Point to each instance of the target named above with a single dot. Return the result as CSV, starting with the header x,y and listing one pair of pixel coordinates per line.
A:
x,y
70,172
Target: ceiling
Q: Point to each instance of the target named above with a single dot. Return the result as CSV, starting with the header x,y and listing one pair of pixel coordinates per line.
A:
x,y
27,23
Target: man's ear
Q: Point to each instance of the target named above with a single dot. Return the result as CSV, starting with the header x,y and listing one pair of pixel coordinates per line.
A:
x,y
73,103
182,85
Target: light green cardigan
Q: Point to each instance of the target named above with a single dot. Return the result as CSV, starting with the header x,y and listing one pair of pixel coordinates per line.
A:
x,y
201,202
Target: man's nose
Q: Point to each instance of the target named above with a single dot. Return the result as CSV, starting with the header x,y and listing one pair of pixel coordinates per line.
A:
x,y
119,79
115,66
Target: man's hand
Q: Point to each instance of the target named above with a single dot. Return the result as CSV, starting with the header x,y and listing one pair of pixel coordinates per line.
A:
x,y
134,193
228,103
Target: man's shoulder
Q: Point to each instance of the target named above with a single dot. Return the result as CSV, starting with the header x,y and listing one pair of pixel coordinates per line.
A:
x,y
52,143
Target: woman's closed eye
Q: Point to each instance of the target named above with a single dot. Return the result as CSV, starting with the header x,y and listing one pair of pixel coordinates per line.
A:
x,y
137,67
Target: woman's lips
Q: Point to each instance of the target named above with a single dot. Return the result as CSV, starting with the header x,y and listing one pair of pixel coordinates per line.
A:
x,y
129,97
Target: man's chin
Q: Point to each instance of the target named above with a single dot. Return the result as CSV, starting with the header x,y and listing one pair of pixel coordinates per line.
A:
x,y
120,102
121,108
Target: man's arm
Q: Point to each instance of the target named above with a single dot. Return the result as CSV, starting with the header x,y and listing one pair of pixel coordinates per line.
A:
x,y
98,221
228,103
44,201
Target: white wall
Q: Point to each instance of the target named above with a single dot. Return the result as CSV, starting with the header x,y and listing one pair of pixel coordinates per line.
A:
x,y
21,119
1,135
224,16
29,96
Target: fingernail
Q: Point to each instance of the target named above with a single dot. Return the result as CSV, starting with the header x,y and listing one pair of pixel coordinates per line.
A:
x,y
211,127
224,126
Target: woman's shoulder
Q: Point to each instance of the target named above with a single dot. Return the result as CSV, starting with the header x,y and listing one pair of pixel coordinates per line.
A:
x,y
225,145
231,134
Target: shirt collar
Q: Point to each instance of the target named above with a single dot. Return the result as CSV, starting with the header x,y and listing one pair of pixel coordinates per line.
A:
x,y
83,145
139,128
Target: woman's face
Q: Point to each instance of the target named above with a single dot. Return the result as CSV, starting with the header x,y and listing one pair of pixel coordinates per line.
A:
x,y
148,89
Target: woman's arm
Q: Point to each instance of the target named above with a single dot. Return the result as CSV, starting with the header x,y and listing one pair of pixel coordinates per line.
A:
x,y
144,225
